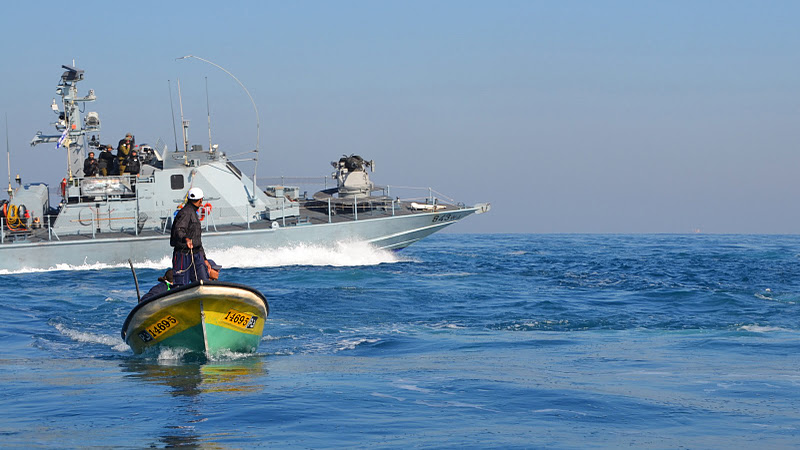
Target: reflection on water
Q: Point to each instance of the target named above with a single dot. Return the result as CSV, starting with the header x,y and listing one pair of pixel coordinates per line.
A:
x,y
188,380
198,377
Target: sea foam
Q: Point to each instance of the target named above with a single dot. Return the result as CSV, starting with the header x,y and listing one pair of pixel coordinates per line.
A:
x,y
339,254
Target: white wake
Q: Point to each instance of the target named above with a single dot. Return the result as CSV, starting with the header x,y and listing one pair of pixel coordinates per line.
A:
x,y
341,254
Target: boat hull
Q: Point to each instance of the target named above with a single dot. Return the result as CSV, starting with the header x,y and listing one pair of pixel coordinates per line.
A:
x,y
393,232
208,317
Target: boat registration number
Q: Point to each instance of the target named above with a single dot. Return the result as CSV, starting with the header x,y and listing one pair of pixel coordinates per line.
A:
x,y
240,319
157,329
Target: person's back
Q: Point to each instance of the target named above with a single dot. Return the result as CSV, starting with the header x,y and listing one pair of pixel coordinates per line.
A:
x,y
186,225
164,285
188,256
132,165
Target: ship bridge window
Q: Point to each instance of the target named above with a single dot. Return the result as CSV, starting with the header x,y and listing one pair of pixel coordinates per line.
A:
x,y
176,181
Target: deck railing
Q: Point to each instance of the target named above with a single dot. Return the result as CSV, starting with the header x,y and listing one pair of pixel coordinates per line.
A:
x,y
212,218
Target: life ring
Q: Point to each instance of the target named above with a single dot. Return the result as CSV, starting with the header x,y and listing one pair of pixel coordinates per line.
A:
x,y
204,211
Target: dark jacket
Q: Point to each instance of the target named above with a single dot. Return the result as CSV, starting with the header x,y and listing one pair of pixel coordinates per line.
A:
x,y
89,167
186,225
160,288
132,165
105,160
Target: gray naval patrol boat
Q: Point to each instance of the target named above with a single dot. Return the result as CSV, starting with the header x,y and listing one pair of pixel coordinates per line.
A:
x,y
110,219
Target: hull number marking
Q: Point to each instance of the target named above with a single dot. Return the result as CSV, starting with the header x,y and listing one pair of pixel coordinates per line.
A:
x,y
158,328
240,319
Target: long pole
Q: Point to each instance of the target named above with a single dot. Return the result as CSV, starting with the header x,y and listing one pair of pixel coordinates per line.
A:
x,y
135,280
258,120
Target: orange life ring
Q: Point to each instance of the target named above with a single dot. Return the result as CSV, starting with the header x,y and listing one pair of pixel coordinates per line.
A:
x,y
205,210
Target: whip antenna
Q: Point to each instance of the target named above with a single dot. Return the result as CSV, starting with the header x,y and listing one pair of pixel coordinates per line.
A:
x,y
185,126
208,109
172,109
8,160
258,120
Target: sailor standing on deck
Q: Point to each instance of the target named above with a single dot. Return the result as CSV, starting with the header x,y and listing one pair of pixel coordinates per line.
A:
x,y
188,256
105,162
124,148
90,166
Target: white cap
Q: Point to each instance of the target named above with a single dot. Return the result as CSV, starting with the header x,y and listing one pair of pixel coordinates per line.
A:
x,y
195,194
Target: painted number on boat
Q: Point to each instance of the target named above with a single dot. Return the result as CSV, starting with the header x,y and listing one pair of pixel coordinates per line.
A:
x,y
444,218
241,320
158,328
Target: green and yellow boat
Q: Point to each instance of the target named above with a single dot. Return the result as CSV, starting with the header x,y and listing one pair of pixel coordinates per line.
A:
x,y
203,317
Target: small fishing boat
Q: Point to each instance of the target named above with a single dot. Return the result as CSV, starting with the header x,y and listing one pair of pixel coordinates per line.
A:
x,y
203,317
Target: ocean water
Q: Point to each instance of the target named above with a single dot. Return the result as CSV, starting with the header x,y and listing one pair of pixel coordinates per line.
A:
x,y
479,341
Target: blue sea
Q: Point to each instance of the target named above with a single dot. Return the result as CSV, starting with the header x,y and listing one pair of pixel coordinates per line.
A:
x,y
476,341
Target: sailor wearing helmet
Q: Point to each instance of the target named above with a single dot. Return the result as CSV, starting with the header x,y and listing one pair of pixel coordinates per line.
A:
x,y
188,256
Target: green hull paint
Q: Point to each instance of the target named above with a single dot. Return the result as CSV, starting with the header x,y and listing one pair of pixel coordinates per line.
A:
x,y
221,339
190,339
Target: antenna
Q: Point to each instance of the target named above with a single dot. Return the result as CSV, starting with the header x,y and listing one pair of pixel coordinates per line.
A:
x,y
184,125
258,120
208,109
172,109
8,161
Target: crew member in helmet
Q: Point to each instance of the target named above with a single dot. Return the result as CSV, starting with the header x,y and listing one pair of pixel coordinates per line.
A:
x,y
188,256
124,149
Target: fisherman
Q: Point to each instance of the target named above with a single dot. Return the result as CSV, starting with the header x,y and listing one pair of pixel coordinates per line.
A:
x,y
213,270
188,256
90,166
123,151
164,285
105,162
132,165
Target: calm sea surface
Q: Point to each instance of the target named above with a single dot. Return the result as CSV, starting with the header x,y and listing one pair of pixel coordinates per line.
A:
x,y
512,341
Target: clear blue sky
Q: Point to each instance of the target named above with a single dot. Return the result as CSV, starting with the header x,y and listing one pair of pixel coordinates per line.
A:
x,y
568,116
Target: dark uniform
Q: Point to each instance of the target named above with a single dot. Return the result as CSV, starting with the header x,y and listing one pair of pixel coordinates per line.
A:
x,y
105,162
90,166
132,165
164,285
187,269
